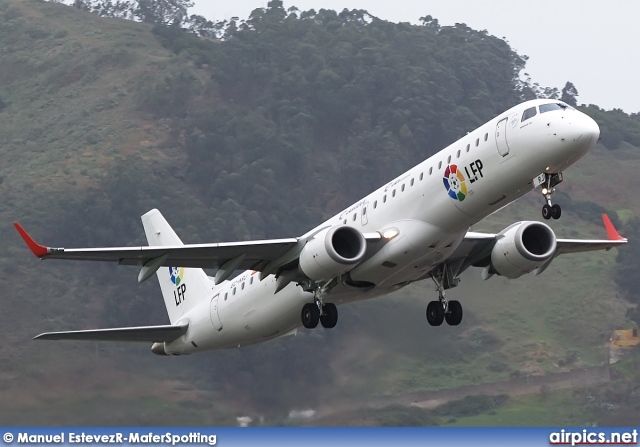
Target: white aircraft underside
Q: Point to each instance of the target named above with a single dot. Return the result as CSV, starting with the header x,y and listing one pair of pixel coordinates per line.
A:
x,y
415,227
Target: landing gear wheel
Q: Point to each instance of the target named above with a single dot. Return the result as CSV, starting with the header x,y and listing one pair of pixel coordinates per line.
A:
x,y
549,210
435,313
310,315
454,313
329,318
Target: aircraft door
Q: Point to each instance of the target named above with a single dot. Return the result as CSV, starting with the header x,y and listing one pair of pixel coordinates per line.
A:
x,y
365,217
215,315
501,138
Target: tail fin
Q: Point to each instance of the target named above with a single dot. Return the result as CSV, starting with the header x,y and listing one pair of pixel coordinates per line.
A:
x,y
182,288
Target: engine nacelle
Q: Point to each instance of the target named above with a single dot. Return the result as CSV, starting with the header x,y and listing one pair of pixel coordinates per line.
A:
x,y
158,348
522,247
332,252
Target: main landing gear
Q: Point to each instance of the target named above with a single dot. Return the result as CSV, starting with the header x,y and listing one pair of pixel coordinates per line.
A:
x,y
312,313
549,210
441,310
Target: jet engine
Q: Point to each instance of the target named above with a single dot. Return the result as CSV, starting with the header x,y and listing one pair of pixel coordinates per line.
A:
x,y
521,248
332,252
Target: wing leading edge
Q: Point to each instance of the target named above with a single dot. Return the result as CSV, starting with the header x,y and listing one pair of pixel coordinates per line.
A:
x,y
165,333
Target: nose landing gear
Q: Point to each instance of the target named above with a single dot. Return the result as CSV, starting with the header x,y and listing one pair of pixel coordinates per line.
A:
x,y
550,210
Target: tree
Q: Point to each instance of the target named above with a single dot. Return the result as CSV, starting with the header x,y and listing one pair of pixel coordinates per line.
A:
x,y
164,12
107,8
569,94
202,26
429,21
84,5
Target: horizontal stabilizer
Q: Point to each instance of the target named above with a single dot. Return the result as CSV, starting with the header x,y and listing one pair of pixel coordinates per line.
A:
x,y
164,333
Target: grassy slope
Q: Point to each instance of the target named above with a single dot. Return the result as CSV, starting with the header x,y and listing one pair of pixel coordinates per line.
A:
x,y
74,92
83,66
70,82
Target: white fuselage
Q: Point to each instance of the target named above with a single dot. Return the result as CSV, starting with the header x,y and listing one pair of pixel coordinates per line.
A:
x,y
494,165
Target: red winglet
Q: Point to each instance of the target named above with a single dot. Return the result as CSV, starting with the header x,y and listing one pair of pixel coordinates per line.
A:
x,y
39,250
611,230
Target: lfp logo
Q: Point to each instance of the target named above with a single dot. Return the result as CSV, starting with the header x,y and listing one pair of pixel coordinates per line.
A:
x,y
177,277
454,182
176,274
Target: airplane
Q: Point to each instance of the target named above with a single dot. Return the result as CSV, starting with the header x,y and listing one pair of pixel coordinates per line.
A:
x,y
415,227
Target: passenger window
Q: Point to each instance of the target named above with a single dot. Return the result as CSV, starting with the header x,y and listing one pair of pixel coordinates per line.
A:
x,y
242,287
402,189
421,176
375,204
234,291
449,159
477,141
529,113
411,182
355,215
364,211
393,193
458,155
439,164
251,281
486,136
468,147
384,199
225,296
430,170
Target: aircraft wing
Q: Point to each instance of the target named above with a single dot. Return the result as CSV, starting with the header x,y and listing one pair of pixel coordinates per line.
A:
x,y
475,249
164,333
265,256
191,255
579,245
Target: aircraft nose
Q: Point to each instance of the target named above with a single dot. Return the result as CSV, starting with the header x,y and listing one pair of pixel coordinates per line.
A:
x,y
588,127
581,131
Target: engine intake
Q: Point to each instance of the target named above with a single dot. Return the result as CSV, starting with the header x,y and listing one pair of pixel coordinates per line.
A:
x,y
332,252
522,247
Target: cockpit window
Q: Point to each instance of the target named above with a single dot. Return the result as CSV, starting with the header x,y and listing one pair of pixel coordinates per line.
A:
x,y
553,106
529,113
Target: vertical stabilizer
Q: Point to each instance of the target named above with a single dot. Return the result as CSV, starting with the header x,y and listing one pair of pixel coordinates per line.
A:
x,y
182,288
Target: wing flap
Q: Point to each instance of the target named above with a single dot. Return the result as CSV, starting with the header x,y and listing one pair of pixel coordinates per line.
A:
x,y
165,333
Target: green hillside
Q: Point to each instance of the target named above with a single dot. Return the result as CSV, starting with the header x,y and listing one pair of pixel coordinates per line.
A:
x,y
285,121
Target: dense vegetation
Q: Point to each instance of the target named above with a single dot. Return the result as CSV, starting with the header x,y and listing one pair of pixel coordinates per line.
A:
x,y
282,120
616,126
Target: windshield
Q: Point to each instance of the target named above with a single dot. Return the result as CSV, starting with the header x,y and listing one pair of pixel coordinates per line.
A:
x,y
529,113
554,106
